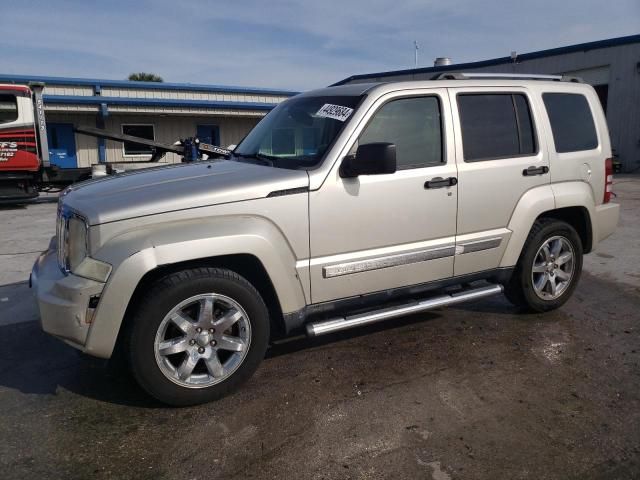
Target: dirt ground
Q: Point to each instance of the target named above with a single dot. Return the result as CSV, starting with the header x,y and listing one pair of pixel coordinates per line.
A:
x,y
479,391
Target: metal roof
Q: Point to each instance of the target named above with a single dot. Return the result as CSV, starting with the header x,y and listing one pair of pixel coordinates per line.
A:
x,y
93,82
580,47
153,102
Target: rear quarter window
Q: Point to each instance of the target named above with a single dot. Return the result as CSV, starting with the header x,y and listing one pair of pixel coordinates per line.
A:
x,y
571,121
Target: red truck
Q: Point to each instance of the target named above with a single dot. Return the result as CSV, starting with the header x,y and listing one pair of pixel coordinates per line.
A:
x,y
25,169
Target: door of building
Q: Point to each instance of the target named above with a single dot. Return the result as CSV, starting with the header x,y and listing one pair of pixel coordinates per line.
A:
x,y
62,145
208,134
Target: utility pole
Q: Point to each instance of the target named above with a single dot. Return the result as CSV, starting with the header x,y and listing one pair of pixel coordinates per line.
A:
x,y
415,44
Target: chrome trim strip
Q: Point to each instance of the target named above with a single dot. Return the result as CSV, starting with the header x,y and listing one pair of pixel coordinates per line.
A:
x,y
387,261
478,245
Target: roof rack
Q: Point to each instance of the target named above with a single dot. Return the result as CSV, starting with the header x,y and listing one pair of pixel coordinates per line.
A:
x,y
519,76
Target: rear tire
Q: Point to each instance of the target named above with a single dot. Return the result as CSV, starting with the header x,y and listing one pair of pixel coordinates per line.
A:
x,y
549,267
197,335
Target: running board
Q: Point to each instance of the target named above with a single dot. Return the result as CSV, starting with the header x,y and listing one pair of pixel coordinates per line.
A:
x,y
343,323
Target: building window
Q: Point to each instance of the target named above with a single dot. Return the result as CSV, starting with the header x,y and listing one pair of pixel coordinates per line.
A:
x,y
8,108
571,122
496,126
136,149
414,126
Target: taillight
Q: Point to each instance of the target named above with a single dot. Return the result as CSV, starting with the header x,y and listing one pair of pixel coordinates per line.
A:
x,y
608,180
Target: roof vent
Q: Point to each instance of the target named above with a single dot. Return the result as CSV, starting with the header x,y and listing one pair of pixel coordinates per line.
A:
x,y
442,61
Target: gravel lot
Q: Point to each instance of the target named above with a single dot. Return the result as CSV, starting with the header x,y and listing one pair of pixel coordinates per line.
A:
x,y
476,391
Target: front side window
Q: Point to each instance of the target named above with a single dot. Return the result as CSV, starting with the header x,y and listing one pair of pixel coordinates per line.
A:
x,y
414,125
8,108
496,126
298,132
571,122
143,131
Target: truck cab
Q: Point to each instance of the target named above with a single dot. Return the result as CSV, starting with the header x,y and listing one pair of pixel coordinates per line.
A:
x,y
19,159
344,206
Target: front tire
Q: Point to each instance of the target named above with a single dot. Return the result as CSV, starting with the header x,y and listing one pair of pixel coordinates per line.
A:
x,y
197,335
549,267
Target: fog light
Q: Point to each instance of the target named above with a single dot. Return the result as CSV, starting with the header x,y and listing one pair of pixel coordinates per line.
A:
x,y
91,309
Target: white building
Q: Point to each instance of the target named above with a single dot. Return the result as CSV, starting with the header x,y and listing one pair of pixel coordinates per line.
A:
x,y
165,112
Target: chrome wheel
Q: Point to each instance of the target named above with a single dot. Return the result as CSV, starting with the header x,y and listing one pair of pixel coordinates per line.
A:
x,y
202,340
553,268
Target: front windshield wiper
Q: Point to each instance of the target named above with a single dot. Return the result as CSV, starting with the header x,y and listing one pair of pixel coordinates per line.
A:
x,y
261,157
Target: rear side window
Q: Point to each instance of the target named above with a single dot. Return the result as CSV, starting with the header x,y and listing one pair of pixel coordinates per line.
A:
x,y
414,125
496,125
8,108
571,122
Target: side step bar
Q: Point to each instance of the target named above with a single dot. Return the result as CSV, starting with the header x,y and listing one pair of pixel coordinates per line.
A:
x,y
343,323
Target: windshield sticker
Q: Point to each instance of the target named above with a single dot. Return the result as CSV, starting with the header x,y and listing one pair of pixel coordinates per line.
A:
x,y
337,112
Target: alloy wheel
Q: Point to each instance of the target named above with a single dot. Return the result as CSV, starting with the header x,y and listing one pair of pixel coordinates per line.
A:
x,y
203,340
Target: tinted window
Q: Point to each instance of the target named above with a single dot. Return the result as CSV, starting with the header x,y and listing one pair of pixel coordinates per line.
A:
x,y
143,131
283,141
299,131
571,122
496,126
8,109
413,125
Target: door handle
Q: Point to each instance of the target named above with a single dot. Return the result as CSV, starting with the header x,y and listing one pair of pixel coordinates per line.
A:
x,y
439,182
528,172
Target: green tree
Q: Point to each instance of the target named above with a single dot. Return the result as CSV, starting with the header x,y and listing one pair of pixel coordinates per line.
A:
x,y
145,77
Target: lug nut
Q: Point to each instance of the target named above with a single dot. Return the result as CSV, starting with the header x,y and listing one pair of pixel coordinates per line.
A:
x,y
212,330
213,343
198,329
192,342
201,350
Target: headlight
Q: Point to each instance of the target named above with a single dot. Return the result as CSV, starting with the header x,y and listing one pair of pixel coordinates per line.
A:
x,y
73,247
72,233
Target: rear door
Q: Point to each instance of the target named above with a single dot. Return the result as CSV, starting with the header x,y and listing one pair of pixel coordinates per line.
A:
x,y
500,157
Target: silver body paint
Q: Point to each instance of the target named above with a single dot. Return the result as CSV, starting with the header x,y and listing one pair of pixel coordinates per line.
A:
x,y
334,237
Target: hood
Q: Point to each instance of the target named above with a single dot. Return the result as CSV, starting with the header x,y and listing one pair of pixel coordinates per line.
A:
x,y
177,187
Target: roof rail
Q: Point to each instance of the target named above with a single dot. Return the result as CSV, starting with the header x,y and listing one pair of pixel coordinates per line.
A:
x,y
519,76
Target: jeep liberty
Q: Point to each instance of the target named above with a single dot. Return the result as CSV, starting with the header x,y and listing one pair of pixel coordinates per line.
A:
x,y
344,206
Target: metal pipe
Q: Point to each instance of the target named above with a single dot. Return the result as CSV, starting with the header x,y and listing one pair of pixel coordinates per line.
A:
x,y
343,323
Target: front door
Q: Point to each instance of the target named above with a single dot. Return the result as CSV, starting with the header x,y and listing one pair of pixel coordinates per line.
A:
x,y
378,232
62,145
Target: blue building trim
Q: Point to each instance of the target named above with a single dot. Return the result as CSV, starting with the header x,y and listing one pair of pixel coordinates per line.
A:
x,y
154,102
97,84
581,47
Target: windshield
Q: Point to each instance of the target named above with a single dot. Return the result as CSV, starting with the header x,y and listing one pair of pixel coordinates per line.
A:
x,y
298,132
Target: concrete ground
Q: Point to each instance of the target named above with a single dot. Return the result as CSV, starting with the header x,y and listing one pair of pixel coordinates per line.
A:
x,y
477,391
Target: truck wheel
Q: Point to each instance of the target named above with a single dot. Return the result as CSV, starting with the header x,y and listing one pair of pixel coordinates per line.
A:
x,y
197,335
549,267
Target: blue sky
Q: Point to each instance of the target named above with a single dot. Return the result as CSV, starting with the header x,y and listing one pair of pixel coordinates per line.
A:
x,y
288,44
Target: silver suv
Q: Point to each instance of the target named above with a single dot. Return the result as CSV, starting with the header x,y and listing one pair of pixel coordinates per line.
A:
x,y
344,206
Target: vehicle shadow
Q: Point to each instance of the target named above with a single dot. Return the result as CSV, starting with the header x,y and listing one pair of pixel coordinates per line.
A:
x,y
33,362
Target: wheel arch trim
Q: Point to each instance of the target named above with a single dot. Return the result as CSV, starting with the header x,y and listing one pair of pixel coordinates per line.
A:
x,y
160,250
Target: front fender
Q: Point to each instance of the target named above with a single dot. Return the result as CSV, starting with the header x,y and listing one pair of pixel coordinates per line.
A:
x,y
137,252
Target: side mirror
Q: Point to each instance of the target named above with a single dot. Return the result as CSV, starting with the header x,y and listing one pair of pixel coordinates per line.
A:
x,y
370,159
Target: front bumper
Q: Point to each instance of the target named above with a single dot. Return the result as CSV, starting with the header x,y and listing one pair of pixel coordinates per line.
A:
x,y
63,300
